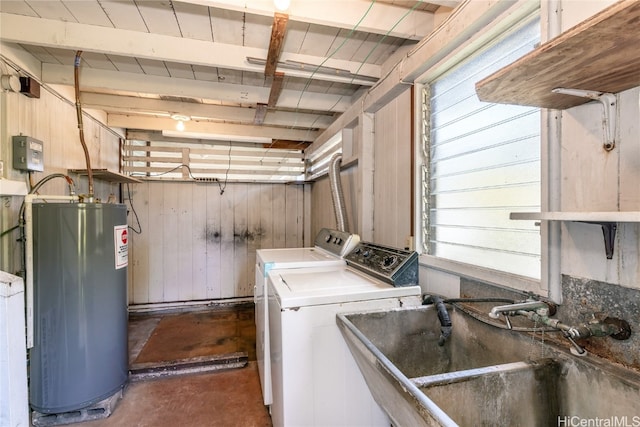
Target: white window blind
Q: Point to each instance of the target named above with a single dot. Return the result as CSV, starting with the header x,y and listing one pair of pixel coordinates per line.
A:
x,y
484,162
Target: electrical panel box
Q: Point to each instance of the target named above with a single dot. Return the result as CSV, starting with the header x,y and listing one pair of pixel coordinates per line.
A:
x,y
28,154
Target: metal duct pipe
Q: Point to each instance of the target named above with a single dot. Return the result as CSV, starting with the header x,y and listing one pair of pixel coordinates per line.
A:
x,y
337,196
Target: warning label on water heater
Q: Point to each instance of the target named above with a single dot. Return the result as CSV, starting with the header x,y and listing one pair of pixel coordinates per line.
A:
x,y
120,239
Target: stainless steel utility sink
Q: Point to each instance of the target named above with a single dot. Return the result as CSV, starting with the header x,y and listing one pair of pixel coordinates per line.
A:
x,y
482,375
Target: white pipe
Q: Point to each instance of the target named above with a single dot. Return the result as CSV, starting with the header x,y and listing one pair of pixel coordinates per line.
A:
x,y
28,218
552,274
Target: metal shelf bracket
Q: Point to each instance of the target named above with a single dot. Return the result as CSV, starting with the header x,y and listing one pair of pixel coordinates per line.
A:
x,y
609,233
609,104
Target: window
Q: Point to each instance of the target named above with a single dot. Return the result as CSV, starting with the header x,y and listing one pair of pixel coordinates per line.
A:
x,y
484,162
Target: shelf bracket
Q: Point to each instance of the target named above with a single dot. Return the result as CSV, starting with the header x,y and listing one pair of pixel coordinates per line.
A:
x,y
609,233
609,104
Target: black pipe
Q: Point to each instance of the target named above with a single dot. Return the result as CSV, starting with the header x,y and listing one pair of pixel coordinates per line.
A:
x,y
443,315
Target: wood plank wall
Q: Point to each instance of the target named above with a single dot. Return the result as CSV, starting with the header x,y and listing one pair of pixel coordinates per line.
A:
x,y
392,172
197,244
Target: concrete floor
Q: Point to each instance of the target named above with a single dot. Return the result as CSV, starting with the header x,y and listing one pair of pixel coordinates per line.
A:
x,y
225,397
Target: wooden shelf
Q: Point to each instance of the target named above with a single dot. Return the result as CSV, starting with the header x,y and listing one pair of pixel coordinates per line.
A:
x,y
106,175
629,216
599,54
607,220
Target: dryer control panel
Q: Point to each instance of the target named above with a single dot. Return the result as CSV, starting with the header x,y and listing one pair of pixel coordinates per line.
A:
x,y
392,265
337,242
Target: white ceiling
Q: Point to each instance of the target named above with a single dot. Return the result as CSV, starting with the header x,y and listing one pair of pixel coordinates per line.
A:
x,y
145,60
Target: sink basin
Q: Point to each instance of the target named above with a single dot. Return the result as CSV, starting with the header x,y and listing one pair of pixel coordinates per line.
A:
x,y
482,375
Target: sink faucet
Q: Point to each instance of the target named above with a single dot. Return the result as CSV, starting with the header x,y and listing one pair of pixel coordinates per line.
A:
x,y
538,311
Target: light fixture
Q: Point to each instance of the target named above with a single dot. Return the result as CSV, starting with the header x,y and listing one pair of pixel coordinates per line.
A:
x,y
282,5
180,119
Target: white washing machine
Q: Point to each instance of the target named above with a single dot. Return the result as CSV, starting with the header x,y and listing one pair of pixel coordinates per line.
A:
x,y
315,380
329,248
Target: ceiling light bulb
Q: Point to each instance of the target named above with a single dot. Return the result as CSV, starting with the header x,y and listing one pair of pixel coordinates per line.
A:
x,y
282,5
180,125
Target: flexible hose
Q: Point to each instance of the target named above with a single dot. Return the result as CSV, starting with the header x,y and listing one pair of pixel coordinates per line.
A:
x,y
76,72
337,196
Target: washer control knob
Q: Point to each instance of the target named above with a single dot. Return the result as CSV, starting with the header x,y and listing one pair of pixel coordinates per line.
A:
x,y
328,238
389,261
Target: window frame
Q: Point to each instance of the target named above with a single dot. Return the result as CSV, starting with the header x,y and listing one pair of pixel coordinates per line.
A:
x,y
422,156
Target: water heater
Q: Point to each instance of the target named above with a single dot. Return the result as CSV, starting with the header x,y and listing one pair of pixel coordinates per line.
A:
x,y
80,354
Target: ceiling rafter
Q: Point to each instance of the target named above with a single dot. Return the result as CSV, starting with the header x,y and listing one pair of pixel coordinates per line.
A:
x,y
121,103
276,89
278,31
230,129
159,85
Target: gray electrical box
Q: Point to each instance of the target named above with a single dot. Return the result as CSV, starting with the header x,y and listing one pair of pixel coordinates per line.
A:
x,y
28,154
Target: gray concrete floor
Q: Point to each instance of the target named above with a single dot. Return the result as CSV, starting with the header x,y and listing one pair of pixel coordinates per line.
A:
x,y
230,397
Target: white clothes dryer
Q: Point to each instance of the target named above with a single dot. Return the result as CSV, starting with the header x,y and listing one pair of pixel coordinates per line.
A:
x,y
329,248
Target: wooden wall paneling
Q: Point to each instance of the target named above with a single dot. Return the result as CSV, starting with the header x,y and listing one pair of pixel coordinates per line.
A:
x,y
383,196
139,262
241,235
266,216
199,241
227,264
156,242
589,173
254,242
279,217
629,146
322,214
214,242
392,187
185,241
292,219
170,265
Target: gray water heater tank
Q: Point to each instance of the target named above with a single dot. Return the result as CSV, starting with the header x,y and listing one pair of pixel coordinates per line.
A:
x,y
80,305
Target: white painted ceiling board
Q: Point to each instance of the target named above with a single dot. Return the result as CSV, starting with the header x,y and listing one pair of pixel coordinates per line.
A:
x,y
159,17
17,7
41,53
126,64
227,26
124,15
180,70
153,68
51,10
88,12
98,60
193,21
205,73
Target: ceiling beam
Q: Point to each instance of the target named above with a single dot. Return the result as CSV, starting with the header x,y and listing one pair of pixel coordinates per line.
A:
x,y
232,130
123,104
158,47
275,43
380,19
287,145
276,89
91,78
261,111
